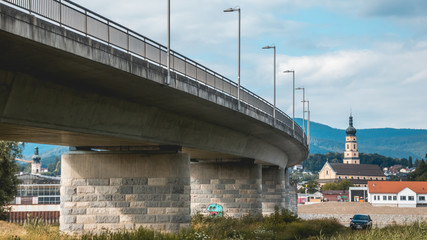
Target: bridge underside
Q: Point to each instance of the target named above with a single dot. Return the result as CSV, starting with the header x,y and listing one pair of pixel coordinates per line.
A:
x,y
173,149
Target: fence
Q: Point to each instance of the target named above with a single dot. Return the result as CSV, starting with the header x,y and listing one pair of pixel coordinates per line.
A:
x,y
75,17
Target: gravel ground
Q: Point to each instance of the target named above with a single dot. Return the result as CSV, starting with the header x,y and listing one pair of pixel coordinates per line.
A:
x,y
357,207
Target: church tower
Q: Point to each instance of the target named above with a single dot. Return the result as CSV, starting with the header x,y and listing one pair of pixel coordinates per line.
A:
x,y
36,165
351,154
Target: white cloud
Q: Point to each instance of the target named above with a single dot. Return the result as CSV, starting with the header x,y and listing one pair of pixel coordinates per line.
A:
x,y
382,78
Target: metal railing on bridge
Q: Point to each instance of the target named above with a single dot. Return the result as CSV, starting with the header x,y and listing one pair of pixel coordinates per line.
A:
x,y
81,20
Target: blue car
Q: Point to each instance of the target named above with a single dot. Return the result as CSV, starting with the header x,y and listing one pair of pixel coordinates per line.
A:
x,y
361,221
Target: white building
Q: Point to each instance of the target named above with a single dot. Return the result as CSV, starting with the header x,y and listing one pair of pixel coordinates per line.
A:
x,y
397,193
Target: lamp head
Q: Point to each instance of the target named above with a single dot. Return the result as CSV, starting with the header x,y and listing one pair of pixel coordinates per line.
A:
x,y
299,88
289,71
268,47
231,9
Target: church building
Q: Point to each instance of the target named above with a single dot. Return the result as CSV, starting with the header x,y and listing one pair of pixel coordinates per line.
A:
x,y
351,169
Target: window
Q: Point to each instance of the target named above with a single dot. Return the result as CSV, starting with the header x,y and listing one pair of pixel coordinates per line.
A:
x,y
339,177
348,146
410,198
422,198
375,197
327,172
389,198
384,198
402,198
394,198
354,146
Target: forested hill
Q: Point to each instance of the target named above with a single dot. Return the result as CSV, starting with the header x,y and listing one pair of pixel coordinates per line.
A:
x,y
390,142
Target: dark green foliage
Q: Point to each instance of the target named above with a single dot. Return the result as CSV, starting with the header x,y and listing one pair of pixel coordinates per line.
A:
x,y
342,185
420,173
54,168
8,168
315,162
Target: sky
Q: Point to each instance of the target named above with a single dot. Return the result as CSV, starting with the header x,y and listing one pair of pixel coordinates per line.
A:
x,y
367,56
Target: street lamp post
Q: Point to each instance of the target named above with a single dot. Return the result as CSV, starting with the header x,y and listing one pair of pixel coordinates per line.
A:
x,y
308,124
274,83
237,9
303,109
293,99
168,80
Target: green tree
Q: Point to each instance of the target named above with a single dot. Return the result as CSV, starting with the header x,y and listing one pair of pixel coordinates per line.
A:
x,y
342,185
410,164
312,186
420,173
8,181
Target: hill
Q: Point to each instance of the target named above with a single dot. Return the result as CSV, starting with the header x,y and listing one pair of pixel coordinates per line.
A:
x,y
396,143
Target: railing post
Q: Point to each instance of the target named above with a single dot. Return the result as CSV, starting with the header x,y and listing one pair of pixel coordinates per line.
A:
x,y
108,32
29,6
127,40
60,13
86,23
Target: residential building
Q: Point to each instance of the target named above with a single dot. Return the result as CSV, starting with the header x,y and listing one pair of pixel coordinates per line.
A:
x,y
397,193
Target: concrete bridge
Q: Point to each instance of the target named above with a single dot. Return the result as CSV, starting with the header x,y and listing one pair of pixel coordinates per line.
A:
x,y
146,153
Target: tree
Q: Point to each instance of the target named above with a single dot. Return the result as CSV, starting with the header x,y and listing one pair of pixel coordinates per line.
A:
x,y
420,173
410,164
8,181
342,185
312,186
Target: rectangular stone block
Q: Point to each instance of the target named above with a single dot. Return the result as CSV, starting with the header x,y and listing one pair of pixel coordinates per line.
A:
x,y
98,182
90,227
145,219
107,219
135,181
162,218
107,189
137,204
126,219
126,189
163,189
85,189
116,181
119,197
156,211
79,182
157,181
86,219
69,219
107,197
134,210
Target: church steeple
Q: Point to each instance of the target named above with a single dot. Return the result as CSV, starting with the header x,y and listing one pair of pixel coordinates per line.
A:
x,y
36,165
351,154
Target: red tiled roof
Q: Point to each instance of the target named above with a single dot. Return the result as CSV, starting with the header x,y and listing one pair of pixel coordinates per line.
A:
x,y
419,187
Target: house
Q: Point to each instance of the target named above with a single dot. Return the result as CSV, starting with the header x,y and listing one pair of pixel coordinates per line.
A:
x,y
397,193
307,198
335,195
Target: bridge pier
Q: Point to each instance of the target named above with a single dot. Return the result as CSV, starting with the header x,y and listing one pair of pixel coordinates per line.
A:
x,y
236,186
274,189
116,191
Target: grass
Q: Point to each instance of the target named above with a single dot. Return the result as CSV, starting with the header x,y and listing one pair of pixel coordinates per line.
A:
x,y
280,225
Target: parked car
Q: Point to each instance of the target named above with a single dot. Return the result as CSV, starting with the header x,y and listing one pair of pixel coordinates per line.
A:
x,y
361,221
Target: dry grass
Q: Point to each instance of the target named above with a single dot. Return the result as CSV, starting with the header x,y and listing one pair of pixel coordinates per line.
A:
x,y
17,231
358,207
9,229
